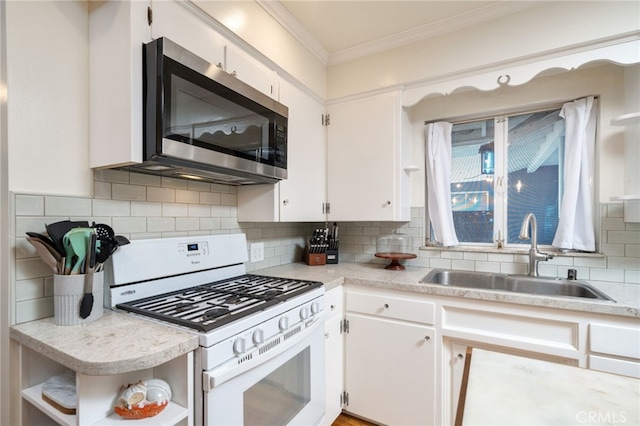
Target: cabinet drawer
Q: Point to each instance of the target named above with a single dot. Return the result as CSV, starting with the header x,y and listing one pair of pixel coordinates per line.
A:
x,y
615,366
495,327
614,340
334,302
397,307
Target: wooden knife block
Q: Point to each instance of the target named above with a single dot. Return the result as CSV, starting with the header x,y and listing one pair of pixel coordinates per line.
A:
x,y
314,259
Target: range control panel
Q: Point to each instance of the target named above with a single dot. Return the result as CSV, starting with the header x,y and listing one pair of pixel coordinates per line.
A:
x,y
200,248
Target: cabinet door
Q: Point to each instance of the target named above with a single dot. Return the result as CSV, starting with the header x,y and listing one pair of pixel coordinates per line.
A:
x,y
251,71
365,180
334,368
300,197
390,369
179,25
303,193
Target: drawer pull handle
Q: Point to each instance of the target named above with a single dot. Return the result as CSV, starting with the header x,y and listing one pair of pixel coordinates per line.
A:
x,y
386,306
460,356
427,338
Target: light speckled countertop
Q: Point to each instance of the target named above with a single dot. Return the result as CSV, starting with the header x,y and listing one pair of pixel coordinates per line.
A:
x,y
627,296
135,344
511,390
116,343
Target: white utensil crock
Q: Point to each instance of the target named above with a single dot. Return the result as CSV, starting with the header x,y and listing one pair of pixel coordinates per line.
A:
x,y
68,291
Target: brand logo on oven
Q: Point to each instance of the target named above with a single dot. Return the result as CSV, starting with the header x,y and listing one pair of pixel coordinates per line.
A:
x,y
128,293
195,262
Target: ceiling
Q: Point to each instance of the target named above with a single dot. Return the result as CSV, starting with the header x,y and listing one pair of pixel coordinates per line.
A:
x,y
340,30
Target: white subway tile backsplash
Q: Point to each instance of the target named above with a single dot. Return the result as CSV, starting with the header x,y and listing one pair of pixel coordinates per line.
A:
x,y
29,289
111,208
598,274
67,206
199,210
161,224
465,265
144,179
164,195
113,176
210,198
30,310
631,250
488,267
168,182
185,196
31,268
187,224
128,192
210,223
632,263
221,211
613,249
615,210
29,205
129,225
623,237
102,190
146,209
632,277
175,210
230,199
475,256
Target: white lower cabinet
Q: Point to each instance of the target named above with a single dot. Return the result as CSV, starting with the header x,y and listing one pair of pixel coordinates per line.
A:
x,y
96,395
405,353
334,354
389,362
615,348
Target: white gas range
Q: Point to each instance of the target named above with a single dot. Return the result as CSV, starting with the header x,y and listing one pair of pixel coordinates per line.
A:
x,y
261,355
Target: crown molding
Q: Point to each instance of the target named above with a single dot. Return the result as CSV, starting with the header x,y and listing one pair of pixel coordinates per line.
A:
x,y
295,28
443,26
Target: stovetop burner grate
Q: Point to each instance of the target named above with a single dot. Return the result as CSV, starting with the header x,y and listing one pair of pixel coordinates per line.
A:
x,y
212,305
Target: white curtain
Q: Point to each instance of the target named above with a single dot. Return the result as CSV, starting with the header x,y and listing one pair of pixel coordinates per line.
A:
x,y
438,154
575,226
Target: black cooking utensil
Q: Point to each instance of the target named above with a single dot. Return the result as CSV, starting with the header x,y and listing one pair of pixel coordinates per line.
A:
x,y
86,305
58,230
47,242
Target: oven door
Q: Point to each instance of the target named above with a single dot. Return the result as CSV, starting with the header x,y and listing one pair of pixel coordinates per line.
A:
x,y
286,388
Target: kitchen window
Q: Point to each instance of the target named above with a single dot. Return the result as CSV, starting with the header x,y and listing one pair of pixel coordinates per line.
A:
x,y
502,168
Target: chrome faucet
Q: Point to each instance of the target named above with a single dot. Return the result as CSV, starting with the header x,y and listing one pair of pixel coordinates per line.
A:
x,y
534,255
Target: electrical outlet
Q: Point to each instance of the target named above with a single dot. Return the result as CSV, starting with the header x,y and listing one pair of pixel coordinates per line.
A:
x,y
257,252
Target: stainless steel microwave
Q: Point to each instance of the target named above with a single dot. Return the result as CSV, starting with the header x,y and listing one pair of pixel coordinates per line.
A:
x,y
202,123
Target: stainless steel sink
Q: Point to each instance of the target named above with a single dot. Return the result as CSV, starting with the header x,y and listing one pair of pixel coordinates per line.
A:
x,y
515,283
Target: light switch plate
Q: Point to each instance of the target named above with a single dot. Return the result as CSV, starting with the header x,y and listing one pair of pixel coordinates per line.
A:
x,y
257,252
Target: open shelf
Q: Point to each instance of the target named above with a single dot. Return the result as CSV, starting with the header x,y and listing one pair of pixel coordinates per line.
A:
x,y
172,414
626,119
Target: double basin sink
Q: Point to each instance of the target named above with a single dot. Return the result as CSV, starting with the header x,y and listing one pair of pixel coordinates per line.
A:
x,y
515,283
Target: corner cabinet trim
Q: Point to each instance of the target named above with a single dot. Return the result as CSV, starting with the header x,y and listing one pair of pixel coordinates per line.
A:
x,y
623,50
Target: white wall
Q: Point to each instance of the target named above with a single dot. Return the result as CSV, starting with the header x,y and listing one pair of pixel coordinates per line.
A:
x,y
543,28
47,79
606,81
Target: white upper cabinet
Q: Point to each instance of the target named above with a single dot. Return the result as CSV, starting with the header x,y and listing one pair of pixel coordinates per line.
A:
x,y
366,179
251,71
117,31
173,21
300,197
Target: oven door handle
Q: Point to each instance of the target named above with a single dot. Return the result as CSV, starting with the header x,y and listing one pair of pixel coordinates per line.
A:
x,y
268,350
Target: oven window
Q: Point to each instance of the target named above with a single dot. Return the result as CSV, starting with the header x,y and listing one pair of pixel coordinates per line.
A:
x,y
279,397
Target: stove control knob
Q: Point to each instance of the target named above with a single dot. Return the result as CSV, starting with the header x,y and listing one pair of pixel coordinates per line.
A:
x,y
304,313
258,337
283,323
315,308
239,345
